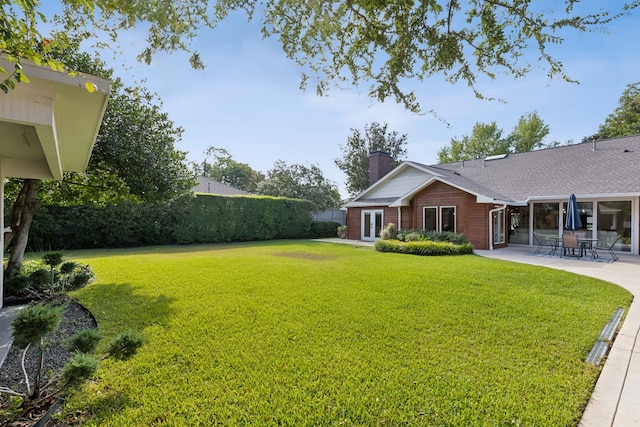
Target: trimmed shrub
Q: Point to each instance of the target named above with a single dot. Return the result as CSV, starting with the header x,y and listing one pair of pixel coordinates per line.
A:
x,y
434,236
321,229
204,218
389,232
80,368
425,247
84,341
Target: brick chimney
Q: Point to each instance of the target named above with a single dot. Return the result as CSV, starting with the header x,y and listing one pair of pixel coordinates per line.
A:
x,y
379,165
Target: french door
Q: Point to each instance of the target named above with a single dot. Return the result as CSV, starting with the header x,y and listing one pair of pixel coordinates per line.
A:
x,y
371,225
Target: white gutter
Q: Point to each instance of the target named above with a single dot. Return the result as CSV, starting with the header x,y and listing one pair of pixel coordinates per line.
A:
x,y
399,219
491,212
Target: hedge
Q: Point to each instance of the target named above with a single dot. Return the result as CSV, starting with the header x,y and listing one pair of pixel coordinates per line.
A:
x,y
199,219
424,247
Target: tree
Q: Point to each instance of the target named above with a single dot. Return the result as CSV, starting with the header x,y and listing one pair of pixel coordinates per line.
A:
x,y
486,140
300,182
528,133
381,44
134,159
355,153
228,171
625,120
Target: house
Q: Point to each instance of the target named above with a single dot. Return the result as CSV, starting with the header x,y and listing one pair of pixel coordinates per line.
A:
x,y
506,199
48,126
209,186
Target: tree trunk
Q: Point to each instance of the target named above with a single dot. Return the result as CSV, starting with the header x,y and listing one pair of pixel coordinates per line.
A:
x,y
25,206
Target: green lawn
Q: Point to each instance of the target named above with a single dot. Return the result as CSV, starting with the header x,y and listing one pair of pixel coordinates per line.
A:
x,y
305,333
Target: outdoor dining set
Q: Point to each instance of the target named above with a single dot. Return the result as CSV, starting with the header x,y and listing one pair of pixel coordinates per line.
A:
x,y
575,243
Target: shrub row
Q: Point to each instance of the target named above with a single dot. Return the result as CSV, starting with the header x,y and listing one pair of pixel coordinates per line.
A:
x,y
320,229
423,247
435,236
199,219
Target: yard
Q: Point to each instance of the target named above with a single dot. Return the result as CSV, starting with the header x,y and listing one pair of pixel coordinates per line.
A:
x,y
308,333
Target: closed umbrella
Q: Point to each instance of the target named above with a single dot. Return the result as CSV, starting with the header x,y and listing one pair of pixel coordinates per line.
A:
x,y
573,221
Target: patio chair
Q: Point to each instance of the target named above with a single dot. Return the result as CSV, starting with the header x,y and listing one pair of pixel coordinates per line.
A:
x,y
570,243
603,245
543,242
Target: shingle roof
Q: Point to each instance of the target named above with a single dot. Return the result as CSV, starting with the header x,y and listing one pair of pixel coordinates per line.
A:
x,y
608,167
210,186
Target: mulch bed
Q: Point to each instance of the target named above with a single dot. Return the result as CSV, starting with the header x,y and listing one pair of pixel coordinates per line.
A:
x,y
74,319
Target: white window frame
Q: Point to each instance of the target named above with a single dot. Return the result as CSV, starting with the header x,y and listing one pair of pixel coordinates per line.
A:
x,y
499,227
455,225
424,217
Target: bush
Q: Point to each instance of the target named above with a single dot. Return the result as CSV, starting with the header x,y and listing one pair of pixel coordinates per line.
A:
x,y
125,345
434,236
389,232
40,278
33,323
425,247
81,367
84,341
321,229
202,219
16,284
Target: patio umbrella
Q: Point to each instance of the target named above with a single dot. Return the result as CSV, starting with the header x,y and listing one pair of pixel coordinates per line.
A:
x,y
573,221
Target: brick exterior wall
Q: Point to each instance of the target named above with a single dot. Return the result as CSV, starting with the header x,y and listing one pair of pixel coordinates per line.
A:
x,y
472,219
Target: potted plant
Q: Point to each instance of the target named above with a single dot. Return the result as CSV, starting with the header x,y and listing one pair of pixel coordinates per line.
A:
x,y
342,231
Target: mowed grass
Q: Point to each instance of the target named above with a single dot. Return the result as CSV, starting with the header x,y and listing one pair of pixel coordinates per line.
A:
x,y
318,334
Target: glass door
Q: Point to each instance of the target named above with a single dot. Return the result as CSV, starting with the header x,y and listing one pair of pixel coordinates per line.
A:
x,y
371,224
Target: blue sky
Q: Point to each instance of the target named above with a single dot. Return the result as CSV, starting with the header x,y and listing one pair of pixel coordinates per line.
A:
x,y
248,100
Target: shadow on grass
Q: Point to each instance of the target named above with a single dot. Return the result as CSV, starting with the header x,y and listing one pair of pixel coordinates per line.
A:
x,y
119,306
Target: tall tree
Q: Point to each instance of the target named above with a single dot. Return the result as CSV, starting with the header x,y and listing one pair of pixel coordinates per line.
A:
x,y
381,44
528,134
229,171
134,159
355,153
486,140
625,120
300,182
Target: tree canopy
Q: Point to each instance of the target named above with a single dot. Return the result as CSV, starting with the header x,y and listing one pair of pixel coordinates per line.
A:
x,y
379,44
300,182
625,120
487,140
355,153
229,171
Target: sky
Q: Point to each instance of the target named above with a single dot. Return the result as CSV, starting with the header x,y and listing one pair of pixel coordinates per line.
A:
x,y
248,99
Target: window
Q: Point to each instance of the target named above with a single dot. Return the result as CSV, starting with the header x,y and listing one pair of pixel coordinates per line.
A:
x,y
614,218
498,227
448,218
519,225
430,219
546,219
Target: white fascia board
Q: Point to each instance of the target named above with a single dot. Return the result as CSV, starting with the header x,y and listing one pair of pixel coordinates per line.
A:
x,y
598,196
356,204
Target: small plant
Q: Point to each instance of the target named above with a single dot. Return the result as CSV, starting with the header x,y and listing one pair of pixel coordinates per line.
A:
x,y
389,232
84,341
36,280
342,231
31,328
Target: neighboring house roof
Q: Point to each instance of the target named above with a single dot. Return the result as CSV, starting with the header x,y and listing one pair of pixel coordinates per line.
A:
x,y
210,186
589,170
